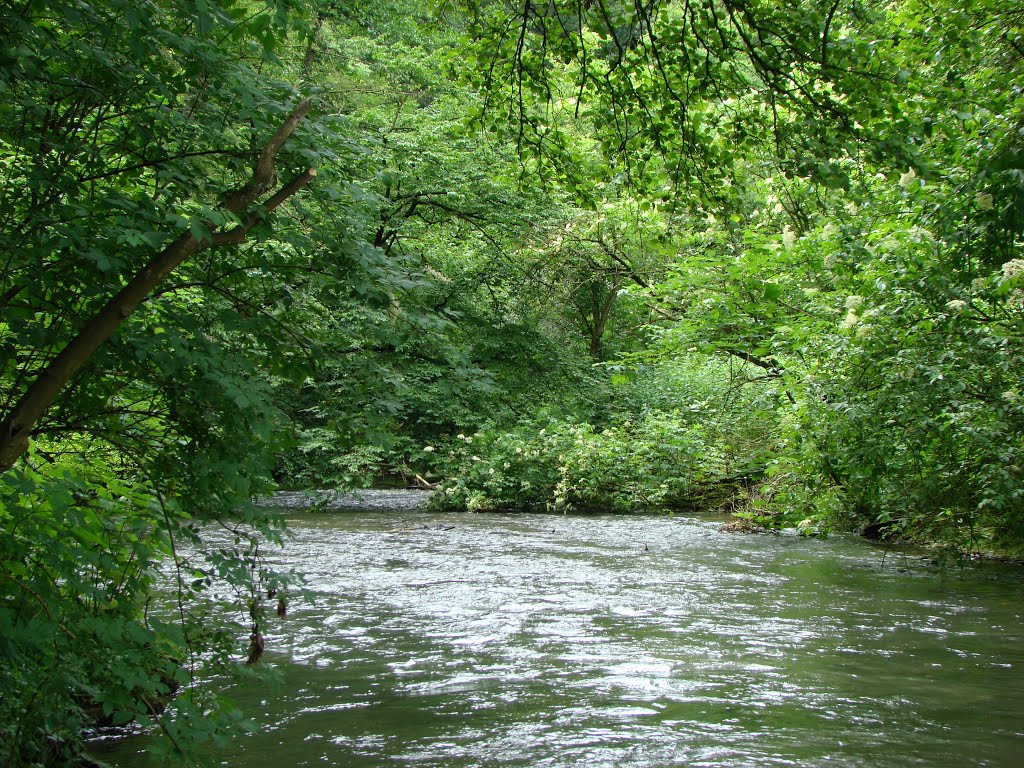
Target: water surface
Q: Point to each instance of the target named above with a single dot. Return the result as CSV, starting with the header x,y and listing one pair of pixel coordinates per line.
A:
x,y
536,640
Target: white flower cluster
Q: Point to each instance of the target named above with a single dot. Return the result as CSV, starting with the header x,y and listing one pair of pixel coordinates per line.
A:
x,y
853,305
1012,268
788,238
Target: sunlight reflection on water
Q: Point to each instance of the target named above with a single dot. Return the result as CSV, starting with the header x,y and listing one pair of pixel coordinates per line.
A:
x,y
536,640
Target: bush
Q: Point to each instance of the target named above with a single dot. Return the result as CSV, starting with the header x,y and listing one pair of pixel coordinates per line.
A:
x,y
657,462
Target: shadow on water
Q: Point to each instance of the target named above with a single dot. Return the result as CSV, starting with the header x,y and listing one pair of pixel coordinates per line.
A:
x,y
541,640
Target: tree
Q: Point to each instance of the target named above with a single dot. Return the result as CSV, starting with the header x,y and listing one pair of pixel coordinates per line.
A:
x,y
457,307
18,424
846,188
133,139
682,93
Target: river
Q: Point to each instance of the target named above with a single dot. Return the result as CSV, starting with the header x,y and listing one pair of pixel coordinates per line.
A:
x,y
648,642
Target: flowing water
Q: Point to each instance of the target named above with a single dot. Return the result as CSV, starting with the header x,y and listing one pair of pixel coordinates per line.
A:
x,y
557,641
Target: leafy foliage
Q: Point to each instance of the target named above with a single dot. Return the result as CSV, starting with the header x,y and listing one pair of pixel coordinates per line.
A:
x,y
120,128
672,435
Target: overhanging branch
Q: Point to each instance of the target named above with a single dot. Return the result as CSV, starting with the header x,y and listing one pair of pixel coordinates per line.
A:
x,y
18,424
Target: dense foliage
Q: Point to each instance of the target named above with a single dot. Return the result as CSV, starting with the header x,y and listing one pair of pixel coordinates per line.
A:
x,y
840,192
572,255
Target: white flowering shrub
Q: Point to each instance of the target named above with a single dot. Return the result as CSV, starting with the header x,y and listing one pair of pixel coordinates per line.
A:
x,y
565,466
913,427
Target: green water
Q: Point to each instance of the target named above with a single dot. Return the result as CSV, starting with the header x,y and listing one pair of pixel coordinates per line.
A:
x,y
532,640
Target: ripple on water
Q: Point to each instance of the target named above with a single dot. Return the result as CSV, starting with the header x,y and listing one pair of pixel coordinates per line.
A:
x,y
522,641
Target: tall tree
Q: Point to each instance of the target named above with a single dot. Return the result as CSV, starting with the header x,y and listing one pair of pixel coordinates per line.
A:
x,y
147,152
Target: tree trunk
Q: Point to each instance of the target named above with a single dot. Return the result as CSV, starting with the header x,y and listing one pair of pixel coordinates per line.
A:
x,y
310,57
18,425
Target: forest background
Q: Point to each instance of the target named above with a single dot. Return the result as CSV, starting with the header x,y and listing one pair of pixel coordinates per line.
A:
x,y
574,255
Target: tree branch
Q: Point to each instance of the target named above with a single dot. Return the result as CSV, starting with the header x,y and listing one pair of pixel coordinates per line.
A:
x,y
19,423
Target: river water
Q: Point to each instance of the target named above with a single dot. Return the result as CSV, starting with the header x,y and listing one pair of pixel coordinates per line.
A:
x,y
648,642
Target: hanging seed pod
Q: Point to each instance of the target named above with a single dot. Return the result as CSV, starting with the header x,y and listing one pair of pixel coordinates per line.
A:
x,y
255,648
